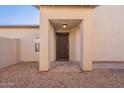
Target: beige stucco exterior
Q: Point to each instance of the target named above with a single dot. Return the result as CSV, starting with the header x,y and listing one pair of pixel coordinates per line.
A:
x,y
108,33
84,14
98,37
26,35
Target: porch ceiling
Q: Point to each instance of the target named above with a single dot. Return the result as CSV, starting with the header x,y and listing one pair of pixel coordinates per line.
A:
x,y
57,23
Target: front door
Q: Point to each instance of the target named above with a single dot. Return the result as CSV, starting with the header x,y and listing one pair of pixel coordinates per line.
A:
x,y
62,46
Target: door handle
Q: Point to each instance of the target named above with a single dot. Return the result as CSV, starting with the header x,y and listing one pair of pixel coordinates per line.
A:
x,y
67,47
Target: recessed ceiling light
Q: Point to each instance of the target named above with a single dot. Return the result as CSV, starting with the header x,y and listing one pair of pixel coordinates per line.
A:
x,y
64,25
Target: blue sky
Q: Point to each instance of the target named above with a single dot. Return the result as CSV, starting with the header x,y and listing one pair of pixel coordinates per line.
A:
x,y
19,15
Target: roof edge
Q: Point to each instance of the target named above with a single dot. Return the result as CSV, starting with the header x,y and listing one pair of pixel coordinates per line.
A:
x,y
77,6
19,26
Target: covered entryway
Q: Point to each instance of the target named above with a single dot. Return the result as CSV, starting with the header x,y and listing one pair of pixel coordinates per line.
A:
x,y
77,48
65,40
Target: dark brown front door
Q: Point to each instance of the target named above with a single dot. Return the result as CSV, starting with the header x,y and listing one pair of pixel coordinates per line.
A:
x,y
62,46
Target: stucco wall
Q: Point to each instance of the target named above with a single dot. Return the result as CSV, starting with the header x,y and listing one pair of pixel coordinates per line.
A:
x,y
78,43
26,36
9,51
47,13
108,35
108,32
75,43
52,41
72,44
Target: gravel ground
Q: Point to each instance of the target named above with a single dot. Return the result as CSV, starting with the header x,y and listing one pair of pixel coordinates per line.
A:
x,y
27,75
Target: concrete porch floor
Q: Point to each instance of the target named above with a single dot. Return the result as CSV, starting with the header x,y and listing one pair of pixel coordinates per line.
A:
x,y
27,75
65,66
61,66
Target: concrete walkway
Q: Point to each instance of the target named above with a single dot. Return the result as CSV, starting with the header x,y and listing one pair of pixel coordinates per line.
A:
x,y
75,66
108,65
65,67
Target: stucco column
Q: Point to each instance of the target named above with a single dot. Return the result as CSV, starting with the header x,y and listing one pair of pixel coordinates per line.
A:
x,y
86,43
44,45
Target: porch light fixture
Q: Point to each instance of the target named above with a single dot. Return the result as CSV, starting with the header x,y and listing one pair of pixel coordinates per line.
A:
x,y
64,25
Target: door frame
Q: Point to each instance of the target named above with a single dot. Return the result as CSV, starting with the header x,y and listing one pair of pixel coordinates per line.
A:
x,y
66,33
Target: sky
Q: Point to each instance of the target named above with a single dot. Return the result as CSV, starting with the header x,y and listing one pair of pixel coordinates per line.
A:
x,y
19,15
